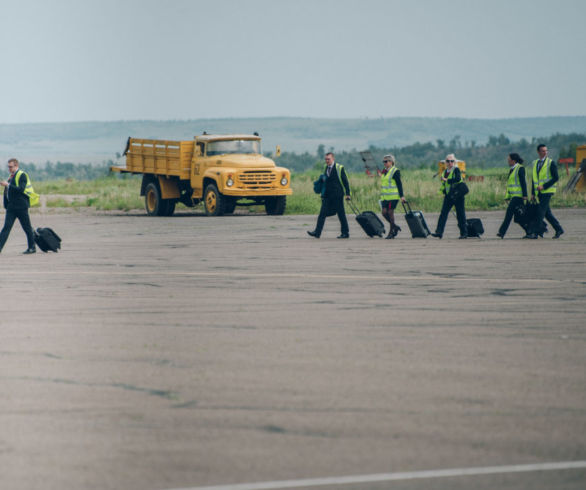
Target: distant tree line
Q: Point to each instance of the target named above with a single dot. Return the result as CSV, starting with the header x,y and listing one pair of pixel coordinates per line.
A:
x,y
61,170
418,155
426,155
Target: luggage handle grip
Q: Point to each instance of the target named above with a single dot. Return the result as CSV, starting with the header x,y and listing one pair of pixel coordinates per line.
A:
x,y
408,206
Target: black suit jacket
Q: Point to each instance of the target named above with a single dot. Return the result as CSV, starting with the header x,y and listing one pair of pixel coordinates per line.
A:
x,y
14,196
333,188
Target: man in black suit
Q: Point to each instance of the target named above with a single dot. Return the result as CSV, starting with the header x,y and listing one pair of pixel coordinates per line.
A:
x,y
336,187
17,202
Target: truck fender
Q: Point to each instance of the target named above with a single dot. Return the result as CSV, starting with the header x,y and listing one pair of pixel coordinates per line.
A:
x,y
169,188
213,176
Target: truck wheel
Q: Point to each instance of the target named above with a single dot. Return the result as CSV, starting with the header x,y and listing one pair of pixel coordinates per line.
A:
x,y
154,205
275,205
213,201
170,208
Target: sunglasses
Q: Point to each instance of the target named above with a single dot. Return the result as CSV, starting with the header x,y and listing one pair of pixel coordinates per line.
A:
x,y
450,161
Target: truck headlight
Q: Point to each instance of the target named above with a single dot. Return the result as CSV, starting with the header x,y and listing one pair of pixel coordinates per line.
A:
x,y
229,182
284,181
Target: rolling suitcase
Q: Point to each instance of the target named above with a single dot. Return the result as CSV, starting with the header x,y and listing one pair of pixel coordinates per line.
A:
x,y
370,222
527,215
46,239
416,222
474,227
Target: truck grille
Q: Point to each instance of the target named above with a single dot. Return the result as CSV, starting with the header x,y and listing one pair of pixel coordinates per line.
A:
x,y
257,179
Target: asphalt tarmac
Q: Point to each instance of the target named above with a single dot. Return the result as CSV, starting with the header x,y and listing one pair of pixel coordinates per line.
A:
x,y
165,353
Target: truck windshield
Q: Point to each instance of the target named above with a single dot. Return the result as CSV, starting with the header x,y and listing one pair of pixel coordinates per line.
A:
x,y
233,146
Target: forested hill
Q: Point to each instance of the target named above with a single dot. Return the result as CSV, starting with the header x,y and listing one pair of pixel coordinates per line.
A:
x,y
422,138
426,155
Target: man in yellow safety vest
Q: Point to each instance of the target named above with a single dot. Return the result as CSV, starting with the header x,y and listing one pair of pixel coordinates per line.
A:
x,y
18,193
545,177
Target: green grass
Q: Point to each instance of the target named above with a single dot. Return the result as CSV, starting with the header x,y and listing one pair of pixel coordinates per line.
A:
x,y
420,187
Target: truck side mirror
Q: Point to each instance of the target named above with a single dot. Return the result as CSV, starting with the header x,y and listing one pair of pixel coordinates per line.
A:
x,y
278,151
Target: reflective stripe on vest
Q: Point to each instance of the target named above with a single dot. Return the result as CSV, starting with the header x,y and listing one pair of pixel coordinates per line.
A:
x,y
513,184
28,190
445,186
389,190
543,177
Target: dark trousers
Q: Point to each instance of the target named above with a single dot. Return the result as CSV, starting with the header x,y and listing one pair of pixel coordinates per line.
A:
x,y
515,203
330,206
544,212
460,215
25,222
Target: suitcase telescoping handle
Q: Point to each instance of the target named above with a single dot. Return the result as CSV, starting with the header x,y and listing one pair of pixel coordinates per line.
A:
x,y
408,208
353,207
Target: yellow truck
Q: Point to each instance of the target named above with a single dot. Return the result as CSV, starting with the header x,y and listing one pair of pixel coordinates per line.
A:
x,y
223,171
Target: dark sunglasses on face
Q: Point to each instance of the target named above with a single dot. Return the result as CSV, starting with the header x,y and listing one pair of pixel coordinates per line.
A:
x,y
450,161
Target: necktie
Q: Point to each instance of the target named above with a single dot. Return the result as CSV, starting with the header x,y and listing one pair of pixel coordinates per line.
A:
x,y
329,170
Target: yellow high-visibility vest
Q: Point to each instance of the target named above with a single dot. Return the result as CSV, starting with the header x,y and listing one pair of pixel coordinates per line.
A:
x,y
543,177
513,185
33,197
445,186
389,190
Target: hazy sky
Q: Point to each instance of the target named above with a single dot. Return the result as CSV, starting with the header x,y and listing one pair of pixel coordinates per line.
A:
x,y
66,60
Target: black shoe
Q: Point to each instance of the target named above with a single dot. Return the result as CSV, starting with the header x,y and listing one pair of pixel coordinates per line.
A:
x,y
463,237
531,236
437,235
500,235
390,235
558,234
344,235
313,234
30,251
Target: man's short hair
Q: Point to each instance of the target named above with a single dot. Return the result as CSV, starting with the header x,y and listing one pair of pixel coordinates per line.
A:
x,y
329,153
13,160
540,146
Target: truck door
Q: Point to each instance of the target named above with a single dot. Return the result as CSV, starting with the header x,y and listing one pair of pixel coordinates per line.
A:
x,y
197,169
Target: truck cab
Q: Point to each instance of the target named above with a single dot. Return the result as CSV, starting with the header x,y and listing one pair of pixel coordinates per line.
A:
x,y
230,170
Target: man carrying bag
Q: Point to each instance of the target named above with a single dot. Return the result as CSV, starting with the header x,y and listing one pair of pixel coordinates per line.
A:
x,y
335,187
18,197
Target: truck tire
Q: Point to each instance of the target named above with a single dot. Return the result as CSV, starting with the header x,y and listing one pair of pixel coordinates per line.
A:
x,y
213,201
275,205
229,205
170,209
154,205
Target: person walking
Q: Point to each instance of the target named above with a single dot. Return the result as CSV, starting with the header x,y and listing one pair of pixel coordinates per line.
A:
x,y
516,191
450,178
336,187
17,193
391,192
543,187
